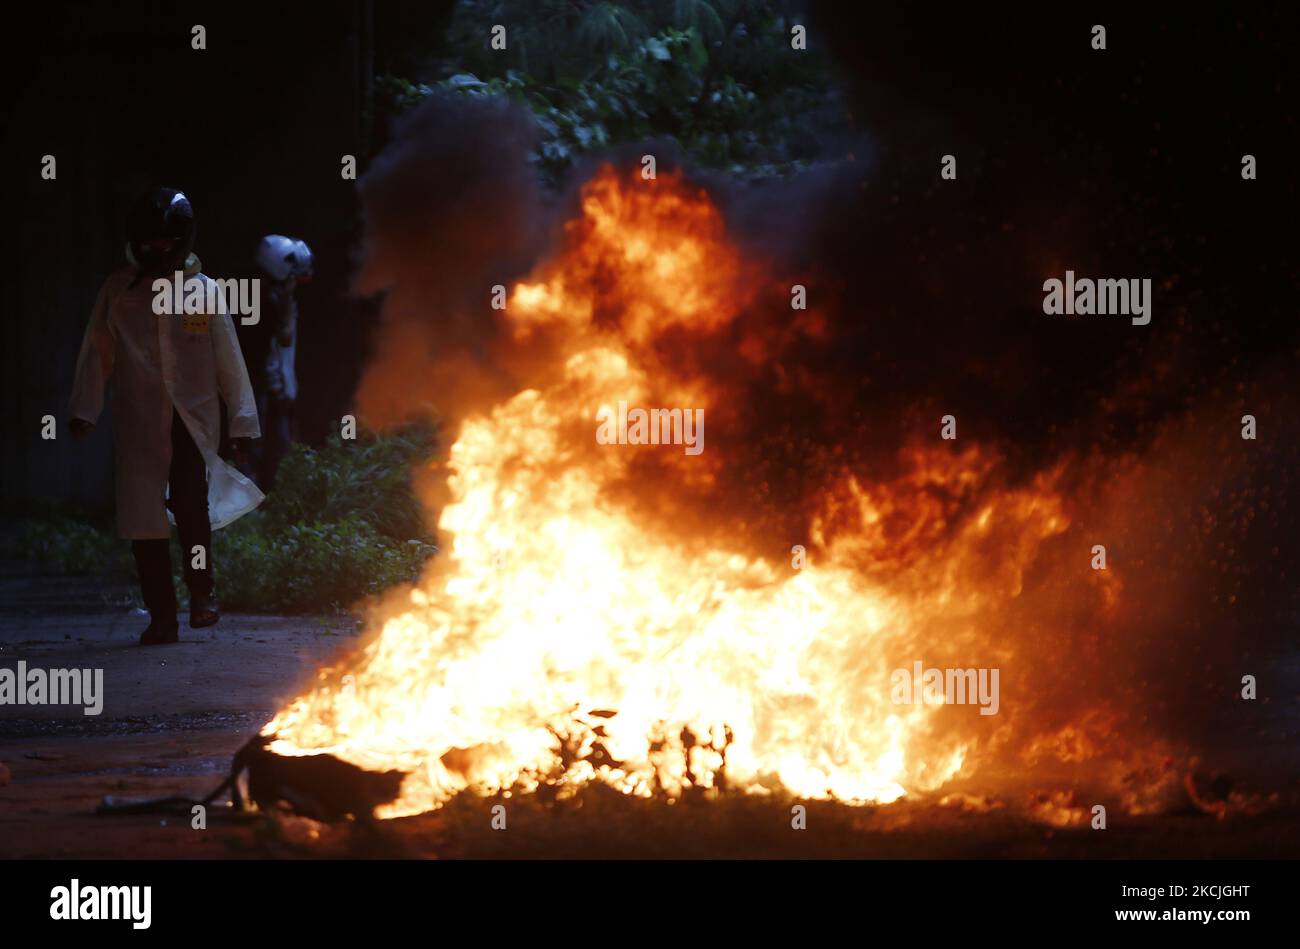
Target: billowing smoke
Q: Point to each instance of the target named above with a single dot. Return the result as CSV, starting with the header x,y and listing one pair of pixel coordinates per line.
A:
x,y
451,208
921,304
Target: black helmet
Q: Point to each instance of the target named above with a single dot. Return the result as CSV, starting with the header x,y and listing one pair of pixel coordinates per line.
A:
x,y
161,230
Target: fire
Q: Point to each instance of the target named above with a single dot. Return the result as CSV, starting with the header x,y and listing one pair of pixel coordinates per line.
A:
x,y
571,631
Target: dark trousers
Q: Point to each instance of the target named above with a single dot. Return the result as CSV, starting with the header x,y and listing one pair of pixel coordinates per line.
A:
x,y
277,436
188,502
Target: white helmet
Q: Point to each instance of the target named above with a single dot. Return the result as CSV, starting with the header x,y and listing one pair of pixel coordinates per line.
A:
x,y
283,257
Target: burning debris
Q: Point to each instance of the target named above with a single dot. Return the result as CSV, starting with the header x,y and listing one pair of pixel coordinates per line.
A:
x,y
319,787
471,682
631,615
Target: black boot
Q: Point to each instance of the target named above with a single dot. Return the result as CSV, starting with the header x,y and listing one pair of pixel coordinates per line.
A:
x,y
157,634
154,563
203,610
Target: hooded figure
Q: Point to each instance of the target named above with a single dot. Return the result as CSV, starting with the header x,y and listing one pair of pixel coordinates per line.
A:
x,y
167,374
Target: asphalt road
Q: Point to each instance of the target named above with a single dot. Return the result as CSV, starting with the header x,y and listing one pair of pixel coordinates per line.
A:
x,y
172,718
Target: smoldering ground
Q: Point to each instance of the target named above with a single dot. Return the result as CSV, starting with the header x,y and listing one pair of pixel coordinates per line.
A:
x,y
924,301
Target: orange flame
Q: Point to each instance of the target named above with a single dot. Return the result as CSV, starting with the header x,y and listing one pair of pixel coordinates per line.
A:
x,y
563,636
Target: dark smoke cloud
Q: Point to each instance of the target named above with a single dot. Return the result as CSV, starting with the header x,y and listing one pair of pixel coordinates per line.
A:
x,y
932,293
451,208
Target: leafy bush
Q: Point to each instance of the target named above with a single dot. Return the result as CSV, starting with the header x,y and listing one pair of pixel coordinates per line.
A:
x,y
341,525
71,546
719,77
369,478
311,567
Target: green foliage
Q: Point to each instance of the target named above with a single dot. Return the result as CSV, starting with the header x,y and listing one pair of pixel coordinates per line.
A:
x,y
720,78
341,525
71,546
369,478
311,567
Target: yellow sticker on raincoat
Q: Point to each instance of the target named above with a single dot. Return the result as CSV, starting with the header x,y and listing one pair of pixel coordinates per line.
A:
x,y
196,322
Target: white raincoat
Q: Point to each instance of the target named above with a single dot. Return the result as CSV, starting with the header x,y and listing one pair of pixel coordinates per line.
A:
x,y
156,363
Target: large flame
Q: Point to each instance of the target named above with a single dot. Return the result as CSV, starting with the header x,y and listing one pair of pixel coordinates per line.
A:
x,y
566,634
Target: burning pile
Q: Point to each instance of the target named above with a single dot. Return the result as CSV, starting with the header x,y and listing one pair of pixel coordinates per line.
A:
x,y
661,620
572,632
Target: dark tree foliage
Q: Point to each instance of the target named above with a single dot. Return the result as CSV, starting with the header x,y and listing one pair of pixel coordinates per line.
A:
x,y
720,78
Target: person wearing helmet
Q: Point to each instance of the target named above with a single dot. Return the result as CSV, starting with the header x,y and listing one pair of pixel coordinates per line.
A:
x,y
167,374
284,263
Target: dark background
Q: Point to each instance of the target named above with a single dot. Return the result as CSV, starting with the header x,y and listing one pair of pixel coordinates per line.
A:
x,y
1117,163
